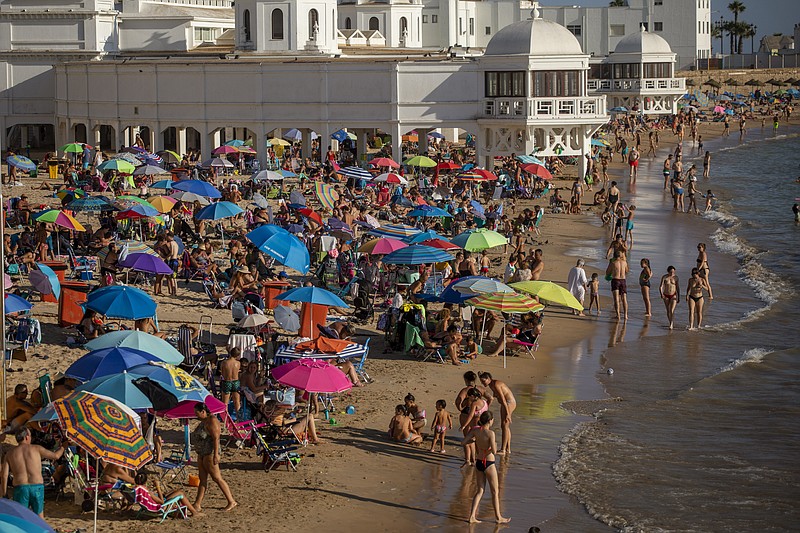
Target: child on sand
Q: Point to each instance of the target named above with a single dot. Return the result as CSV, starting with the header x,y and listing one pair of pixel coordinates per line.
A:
x,y
441,423
472,349
401,429
594,293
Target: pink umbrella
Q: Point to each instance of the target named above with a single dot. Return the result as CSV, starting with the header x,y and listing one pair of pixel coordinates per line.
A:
x,y
384,162
719,109
185,409
312,376
225,149
382,246
7,281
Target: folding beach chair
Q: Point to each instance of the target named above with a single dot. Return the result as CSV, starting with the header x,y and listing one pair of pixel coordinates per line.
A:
x,y
173,467
277,453
144,499
360,370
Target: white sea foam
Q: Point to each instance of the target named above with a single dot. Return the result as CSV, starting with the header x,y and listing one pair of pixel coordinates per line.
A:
x,y
754,356
722,218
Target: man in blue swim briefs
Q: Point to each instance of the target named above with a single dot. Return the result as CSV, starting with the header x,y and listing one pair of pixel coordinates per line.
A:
x,y
25,464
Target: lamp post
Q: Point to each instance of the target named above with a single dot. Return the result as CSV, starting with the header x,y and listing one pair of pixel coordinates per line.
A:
x,y
752,39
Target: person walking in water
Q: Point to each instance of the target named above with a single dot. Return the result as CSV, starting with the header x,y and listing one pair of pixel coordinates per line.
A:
x,y
702,267
644,284
694,297
668,289
486,447
618,270
504,396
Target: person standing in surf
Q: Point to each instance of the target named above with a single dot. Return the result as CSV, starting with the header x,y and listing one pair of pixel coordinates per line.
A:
x,y
694,297
668,288
483,438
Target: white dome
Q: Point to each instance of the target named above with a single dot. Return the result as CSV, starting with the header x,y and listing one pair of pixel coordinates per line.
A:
x,y
642,42
534,37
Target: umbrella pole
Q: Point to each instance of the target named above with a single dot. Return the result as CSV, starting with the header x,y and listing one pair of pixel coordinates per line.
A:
x,y
96,487
483,326
505,342
187,449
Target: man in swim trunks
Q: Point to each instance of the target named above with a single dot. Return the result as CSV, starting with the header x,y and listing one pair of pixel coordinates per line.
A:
x,y
618,269
25,464
669,293
507,405
633,163
230,368
667,170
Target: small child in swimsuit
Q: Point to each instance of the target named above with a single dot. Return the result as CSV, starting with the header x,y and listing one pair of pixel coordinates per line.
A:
x,y
472,349
401,429
594,293
441,423
709,196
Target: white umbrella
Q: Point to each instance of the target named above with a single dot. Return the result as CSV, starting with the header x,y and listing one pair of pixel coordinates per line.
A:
x,y
190,198
217,162
267,175
260,200
286,318
253,321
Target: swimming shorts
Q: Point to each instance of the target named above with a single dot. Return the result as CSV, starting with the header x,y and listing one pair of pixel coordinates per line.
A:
x,y
230,386
484,270
438,429
406,439
634,163
620,285
630,225
666,172
482,465
30,496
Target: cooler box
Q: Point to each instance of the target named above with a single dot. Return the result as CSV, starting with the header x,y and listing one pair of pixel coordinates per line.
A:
x,y
61,273
273,289
73,293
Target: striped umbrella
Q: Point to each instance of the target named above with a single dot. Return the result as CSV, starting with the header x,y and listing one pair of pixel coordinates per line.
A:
x,y
478,240
104,427
382,246
429,211
59,218
326,195
21,162
505,302
417,254
127,247
130,158
267,175
442,244
399,231
91,204
391,177
129,200
470,176
529,159
356,173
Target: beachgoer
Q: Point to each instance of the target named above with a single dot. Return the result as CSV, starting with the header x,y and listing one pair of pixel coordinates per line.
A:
x,y
206,443
483,438
401,429
230,369
703,268
694,297
633,163
618,270
667,170
644,284
706,164
476,405
18,410
415,412
507,403
594,293
668,289
537,264
442,421
576,283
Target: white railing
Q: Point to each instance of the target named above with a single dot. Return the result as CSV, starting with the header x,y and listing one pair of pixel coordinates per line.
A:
x,y
645,84
544,108
203,3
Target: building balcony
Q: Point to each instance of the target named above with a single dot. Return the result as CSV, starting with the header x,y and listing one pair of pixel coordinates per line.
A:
x,y
578,107
643,85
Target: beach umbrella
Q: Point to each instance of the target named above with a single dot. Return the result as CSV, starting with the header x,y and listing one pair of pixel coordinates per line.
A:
x,y
752,82
275,141
286,318
732,82
245,150
91,204
217,162
120,165
600,142
163,204
309,213
312,295
384,162
357,173
16,304
441,244
218,210
391,177
381,246
420,161
21,162
267,175
719,109
712,83
690,82
417,254
477,207
447,165
16,518
549,292
73,148
286,173
436,135
260,201
68,195
255,320
120,301
724,98
199,187
281,245
423,236
45,280
107,361
619,109
59,218
326,195
479,285
225,149
429,211
142,262
129,200
296,198
537,170
162,184
185,409
312,376
149,170
505,302
169,156
471,176
119,387
448,296
138,211
189,197
130,158
478,240
175,380
529,159
138,340
399,231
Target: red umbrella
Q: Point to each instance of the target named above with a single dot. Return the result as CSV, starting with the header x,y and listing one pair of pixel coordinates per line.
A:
x,y
537,170
447,165
312,376
384,162
313,215
486,174
472,175
440,243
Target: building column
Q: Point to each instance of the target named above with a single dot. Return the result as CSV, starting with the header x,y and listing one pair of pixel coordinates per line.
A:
x,y
422,136
260,145
305,142
205,143
586,149
96,131
180,140
363,144
151,142
23,136
397,142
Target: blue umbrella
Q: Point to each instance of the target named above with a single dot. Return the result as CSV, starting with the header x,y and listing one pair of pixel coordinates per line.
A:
x,y
397,231
119,387
175,380
312,295
91,204
45,280
162,184
417,254
340,135
198,187
287,173
355,173
448,296
138,340
528,159
436,135
15,517
218,210
107,361
143,262
139,209
421,237
476,205
21,162
120,301
278,243
16,304
429,211
619,109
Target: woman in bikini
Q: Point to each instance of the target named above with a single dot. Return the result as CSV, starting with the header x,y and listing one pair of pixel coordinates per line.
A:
x,y
702,267
483,439
668,289
475,407
644,284
694,297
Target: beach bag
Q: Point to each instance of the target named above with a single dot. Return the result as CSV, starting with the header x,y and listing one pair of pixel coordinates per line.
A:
x,y
282,396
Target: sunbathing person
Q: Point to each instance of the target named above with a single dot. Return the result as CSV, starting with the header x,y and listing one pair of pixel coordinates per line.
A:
x,y
453,344
277,415
401,428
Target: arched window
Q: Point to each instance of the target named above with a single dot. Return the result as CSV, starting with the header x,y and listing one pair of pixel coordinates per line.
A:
x,y
313,23
374,24
277,24
348,24
403,27
246,18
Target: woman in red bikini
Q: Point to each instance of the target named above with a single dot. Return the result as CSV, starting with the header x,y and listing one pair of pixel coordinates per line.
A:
x,y
476,406
483,438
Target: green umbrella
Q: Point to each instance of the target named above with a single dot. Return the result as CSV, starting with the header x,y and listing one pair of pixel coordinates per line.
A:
x,y
478,240
73,148
119,165
420,161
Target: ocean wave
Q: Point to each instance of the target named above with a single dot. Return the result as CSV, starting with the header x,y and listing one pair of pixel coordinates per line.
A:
x,y
722,218
753,355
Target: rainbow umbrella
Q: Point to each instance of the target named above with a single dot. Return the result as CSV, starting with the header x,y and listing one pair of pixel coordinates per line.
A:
x,y
59,218
70,194
326,195
381,246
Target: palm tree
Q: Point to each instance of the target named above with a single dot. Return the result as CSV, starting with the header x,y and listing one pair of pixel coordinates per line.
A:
x,y
746,31
617,3
729,27
736,7
717,32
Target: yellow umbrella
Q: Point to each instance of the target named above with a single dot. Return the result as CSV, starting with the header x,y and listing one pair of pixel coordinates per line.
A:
x,y
275,141
549,292
163,204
